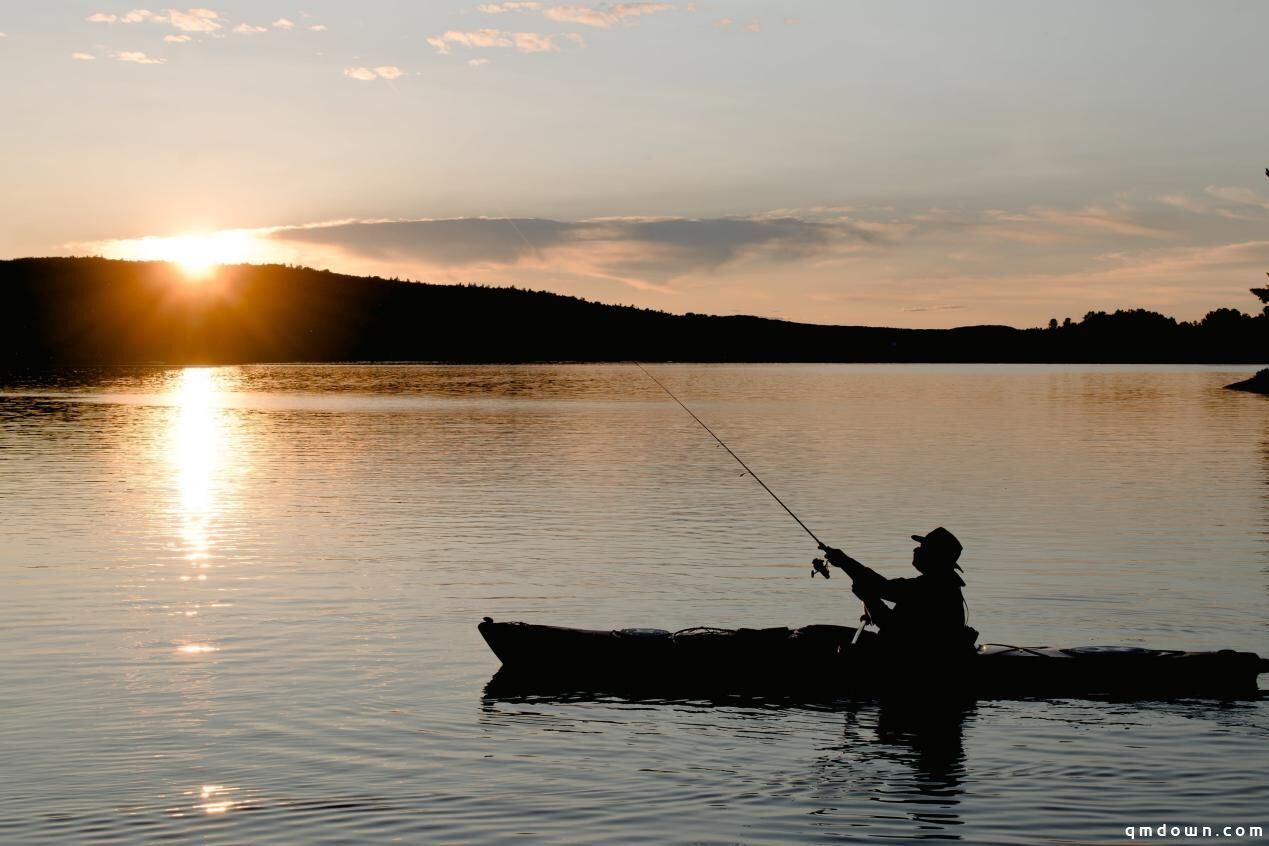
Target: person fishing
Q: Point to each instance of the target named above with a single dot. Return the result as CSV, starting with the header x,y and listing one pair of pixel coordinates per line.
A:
x,y
928,617
929,610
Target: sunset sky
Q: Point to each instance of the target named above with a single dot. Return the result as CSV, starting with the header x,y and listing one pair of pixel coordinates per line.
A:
x,y
902,164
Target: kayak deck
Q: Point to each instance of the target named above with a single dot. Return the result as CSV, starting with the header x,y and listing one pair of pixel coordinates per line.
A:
x,y
824,659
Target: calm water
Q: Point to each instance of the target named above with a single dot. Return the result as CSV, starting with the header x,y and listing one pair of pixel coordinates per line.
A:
x,y
240,603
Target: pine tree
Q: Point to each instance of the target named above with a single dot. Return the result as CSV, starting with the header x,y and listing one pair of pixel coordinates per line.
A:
x,y
1263,293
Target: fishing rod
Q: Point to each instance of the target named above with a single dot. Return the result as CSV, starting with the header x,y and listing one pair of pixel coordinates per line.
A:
x,y
818,543
818,565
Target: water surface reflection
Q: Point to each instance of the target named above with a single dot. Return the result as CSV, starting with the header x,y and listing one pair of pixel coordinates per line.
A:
x,y
352,524
905,758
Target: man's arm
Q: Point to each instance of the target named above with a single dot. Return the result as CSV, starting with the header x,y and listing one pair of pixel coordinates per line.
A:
x,y
866,580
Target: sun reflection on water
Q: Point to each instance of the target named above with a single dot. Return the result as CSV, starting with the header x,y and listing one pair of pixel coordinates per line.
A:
x,y
196,649
212,799
197,446
195,454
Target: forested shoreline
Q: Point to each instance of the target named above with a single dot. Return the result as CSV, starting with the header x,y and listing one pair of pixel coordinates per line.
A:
x,y
93,311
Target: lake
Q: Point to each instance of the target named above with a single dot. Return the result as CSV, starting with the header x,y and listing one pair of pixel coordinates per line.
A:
x,y
241,603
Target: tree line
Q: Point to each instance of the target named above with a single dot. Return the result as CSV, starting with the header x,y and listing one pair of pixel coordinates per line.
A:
x,y
71,311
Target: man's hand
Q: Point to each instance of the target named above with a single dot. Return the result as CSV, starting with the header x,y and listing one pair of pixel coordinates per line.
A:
x,y
835,556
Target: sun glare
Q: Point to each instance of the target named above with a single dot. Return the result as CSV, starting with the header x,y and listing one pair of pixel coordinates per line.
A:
x,y
197,255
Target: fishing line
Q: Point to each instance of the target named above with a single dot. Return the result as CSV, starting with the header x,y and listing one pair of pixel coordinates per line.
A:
x,y
729,452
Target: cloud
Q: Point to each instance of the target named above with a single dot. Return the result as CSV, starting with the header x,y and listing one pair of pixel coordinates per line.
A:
x,y
193,20
831,264
1049,225
248,29
136,57
499,8
728,23
317,28
1237,196
84,57
605,16
473,38
190,20
635,251
525,42
1195,206
388,72
1171,262
475,63
283,23
1228,203
532,42
177,39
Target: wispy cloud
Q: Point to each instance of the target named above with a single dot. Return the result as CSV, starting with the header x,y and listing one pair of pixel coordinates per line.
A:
x,y
363,74
728,23
283,23
1237,196
525,42
1193,205
193,20
249,29
318,28
177,39
136,57
475,63
190,20
1171,262
473,38
532,42
1229,203
635,251
1042,224
500,8
605,16
84,57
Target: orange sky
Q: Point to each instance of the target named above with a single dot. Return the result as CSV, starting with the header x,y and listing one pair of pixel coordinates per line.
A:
x,y
906,164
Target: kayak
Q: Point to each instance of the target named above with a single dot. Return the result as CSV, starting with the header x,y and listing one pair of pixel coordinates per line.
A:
x,y
824,659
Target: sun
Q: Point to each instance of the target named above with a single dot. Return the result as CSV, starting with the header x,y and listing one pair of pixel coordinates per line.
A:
x,y
198,255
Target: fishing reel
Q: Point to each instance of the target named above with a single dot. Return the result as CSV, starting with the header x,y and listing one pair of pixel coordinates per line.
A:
x,y
819,565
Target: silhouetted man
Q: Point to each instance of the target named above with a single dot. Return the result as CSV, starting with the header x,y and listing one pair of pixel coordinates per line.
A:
x,y
929,612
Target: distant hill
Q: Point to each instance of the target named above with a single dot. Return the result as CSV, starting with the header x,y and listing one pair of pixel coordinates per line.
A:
x,y
61,311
